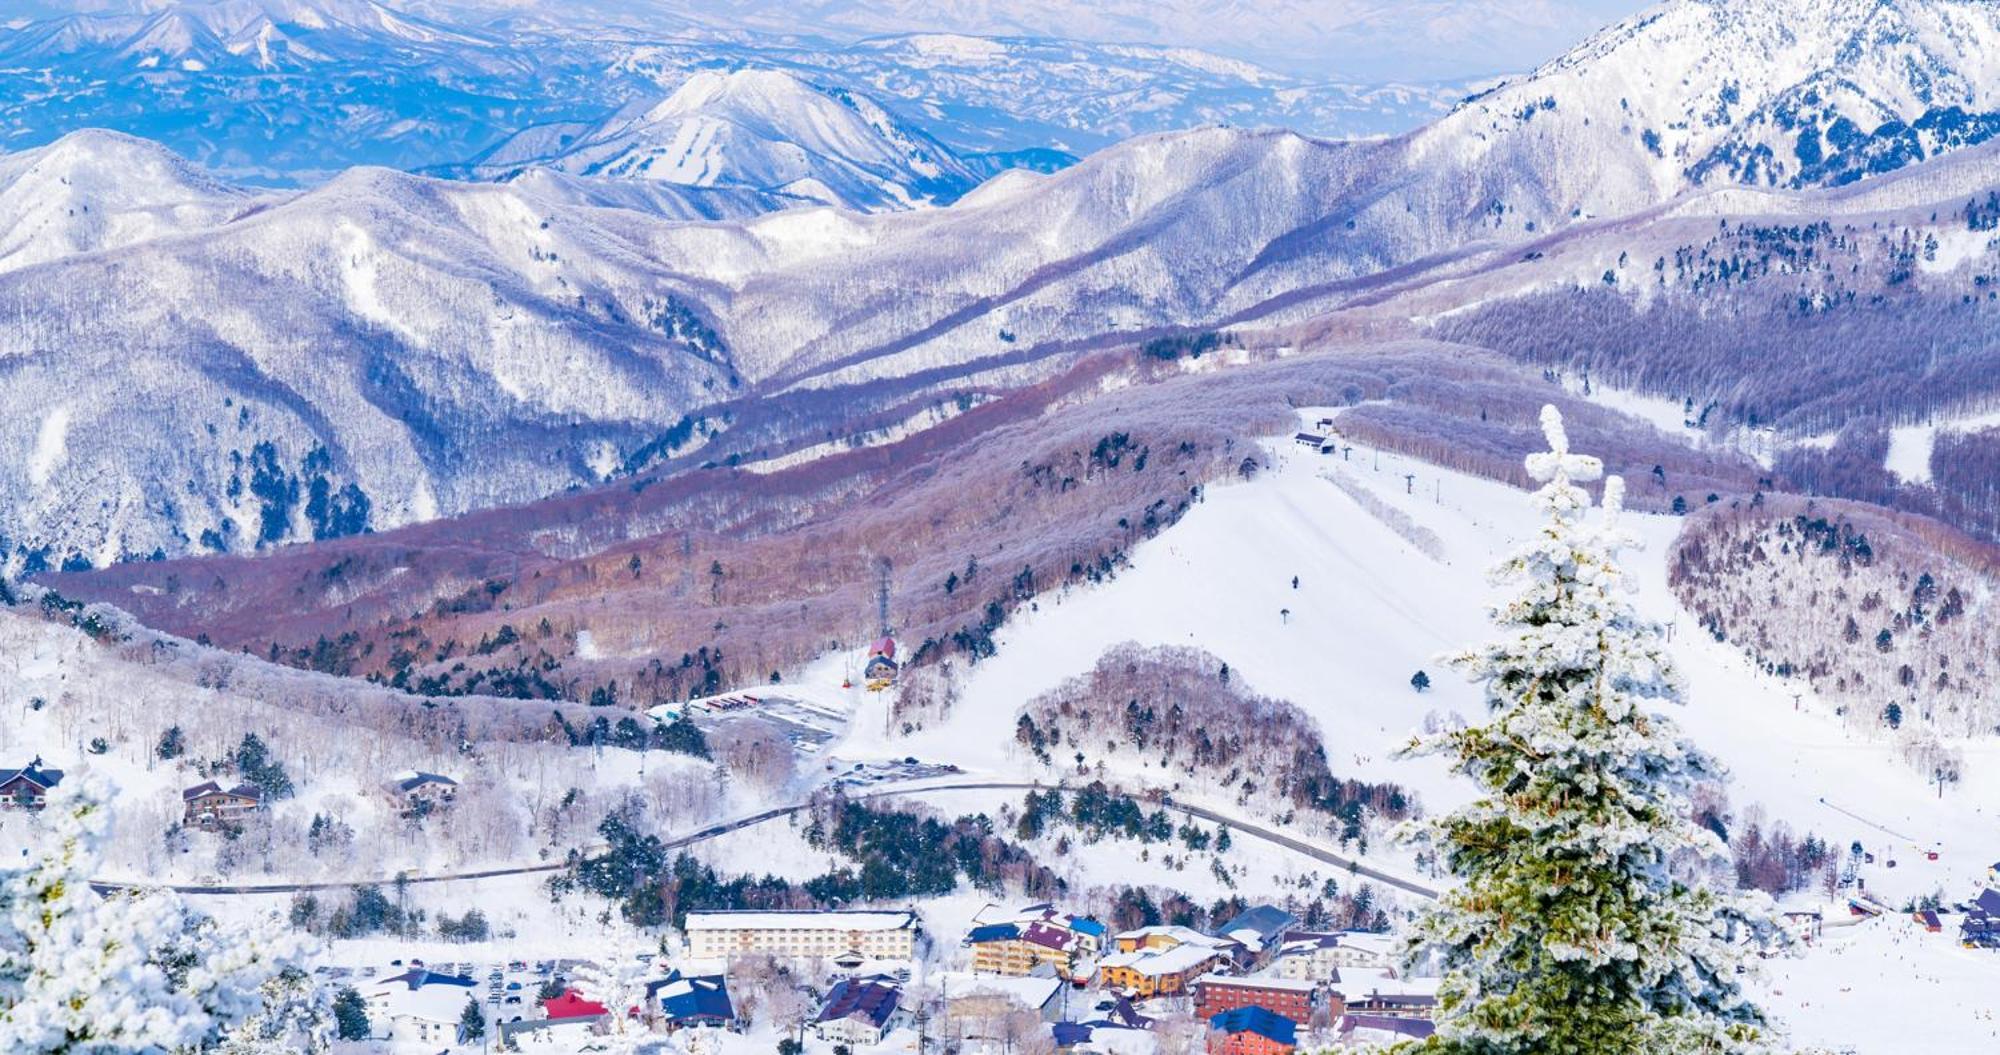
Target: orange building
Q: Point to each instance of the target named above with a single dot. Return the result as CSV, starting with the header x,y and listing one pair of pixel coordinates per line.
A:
x,y
1252,1031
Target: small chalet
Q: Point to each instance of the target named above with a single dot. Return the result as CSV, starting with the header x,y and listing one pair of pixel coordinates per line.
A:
x,y
1259,930
1980,929
27,788
858,1011
572,1007
1382,1029
691,1001
880,671
985,997
1314,440
419,794
1252,1031
210,806
420,1006
1393,1005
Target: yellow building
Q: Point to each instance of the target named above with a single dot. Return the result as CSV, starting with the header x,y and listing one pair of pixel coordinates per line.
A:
x,y
1160,961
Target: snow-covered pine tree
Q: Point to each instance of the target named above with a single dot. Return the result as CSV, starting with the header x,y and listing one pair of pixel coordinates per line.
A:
x,y
617,979
1583,923
127,974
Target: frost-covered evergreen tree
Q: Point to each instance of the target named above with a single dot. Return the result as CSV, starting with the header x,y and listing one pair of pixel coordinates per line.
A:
x,y
1583,922
128,974
618,981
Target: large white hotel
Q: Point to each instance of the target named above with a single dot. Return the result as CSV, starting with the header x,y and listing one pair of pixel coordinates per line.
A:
x,y
876,935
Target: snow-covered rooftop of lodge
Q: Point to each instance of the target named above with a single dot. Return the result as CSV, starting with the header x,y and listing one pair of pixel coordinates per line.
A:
x,y
802,920
1029,992
1259,981
1162,961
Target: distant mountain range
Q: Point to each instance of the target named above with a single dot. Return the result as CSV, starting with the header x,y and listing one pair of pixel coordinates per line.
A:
x,y
288,91
388,348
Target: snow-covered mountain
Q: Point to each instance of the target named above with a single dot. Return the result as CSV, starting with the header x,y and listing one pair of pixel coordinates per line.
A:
x,y
101,190
294,90
763,131
383,349
1442,38
1706,93
403,323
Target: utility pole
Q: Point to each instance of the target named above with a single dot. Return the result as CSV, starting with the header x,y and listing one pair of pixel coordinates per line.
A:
x,y
883,568
1409,483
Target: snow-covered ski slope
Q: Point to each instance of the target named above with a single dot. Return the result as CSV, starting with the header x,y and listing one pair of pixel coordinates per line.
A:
x,y
1371,609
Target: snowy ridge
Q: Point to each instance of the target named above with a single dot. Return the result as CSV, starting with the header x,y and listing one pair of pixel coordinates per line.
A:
x,y
763,131
101,190
1787,93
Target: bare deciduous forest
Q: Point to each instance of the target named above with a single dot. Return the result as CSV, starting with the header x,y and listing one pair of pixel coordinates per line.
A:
x,y
1181,710
1886,616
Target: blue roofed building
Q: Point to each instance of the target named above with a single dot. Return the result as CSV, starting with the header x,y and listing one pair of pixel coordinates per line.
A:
x,y
859,1011
1252,1030
687,1001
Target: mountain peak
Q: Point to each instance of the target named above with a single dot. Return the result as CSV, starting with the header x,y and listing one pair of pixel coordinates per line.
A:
x,y
1690,94
96,189
760,130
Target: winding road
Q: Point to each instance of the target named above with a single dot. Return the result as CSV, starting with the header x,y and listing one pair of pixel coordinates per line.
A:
x,y
1256,831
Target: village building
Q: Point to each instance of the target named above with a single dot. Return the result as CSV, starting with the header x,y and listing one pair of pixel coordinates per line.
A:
x,y
1252,1031
418,794
1802,925
1980,927
572,1007
1318,956
1103,1037
210,806
858,1011
1034,939
419,1006
693,1001
977,998
1292,998
1161,961
1260,931
876,935
879,672
1355,1030
1391,1005
27,788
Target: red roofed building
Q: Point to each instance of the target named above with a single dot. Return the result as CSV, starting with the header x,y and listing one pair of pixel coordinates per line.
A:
x,y
572,1005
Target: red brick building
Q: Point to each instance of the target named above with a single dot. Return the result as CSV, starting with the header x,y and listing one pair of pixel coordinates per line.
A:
x,y
1252,1031
1292,998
